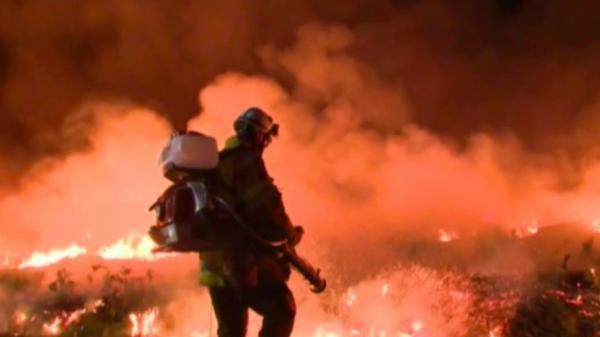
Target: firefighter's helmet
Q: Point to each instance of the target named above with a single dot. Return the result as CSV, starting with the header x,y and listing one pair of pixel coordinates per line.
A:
x,y
256,126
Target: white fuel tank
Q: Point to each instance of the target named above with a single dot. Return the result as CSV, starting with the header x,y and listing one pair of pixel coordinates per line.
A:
x,y
189,150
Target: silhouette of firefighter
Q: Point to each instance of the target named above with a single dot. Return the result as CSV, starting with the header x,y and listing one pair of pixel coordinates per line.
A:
x,y
246,275
225,206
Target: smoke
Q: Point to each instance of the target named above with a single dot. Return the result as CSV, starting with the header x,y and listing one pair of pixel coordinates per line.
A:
x,y
524,69
356,172
354,167
92,197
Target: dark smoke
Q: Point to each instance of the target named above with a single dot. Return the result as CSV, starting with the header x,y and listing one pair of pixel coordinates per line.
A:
x,y
524,69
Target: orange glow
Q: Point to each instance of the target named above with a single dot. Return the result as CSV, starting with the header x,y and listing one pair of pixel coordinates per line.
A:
x,y
20,317
417,325
596,225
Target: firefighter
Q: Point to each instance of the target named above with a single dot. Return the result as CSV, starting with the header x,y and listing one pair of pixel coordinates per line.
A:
x,y
245,275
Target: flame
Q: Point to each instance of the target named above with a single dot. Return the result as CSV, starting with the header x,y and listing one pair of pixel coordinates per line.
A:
x,y
445,236
142,324
496,332
528,230
20,317
577,301
125,249
40,259
351,297
417,325
53,328
385,289
65,319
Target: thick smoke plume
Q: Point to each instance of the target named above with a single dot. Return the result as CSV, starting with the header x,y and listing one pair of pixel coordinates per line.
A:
x,y
506,67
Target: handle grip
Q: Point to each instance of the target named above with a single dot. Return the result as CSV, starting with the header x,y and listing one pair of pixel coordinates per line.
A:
x,y
317,283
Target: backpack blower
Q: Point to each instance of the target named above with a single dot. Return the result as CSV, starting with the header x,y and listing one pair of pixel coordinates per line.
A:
x,y
189,212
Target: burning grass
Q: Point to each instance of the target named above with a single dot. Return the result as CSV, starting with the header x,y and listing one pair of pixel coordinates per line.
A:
x,y
100,306
411,301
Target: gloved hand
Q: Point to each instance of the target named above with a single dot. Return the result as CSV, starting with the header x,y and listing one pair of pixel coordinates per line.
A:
x,y
299,233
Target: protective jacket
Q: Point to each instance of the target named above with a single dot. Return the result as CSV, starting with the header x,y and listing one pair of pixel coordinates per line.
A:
x,y
246,185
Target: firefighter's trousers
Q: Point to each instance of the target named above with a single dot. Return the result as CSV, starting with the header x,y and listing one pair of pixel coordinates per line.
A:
x,y
275,303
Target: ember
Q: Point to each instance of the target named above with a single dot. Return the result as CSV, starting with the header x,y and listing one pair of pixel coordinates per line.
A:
x,y
445,236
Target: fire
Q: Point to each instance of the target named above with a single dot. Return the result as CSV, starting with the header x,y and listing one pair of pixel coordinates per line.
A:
x,y
445,236
496,332
65,319
385,289
142,324
20,317
528,230
40,259
125,249
53,328
74,316
417,325
351,297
